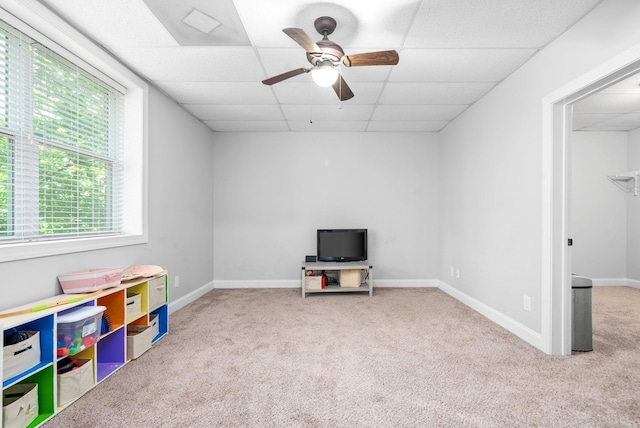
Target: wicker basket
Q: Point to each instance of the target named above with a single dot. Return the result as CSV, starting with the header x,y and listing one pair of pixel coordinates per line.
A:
x,y
351,278
313,282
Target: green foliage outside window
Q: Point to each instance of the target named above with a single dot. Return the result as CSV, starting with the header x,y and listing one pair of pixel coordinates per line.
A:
x,y
73,193
59,143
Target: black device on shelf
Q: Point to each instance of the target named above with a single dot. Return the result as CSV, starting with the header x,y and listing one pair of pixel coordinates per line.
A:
x,y
342,245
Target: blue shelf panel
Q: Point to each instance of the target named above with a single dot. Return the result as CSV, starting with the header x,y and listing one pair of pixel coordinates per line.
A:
x,y
163,321
44,326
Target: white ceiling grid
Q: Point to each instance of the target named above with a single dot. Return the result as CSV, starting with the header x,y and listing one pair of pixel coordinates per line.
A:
x,y
451,54
616,108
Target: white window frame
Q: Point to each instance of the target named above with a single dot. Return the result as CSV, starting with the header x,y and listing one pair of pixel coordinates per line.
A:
x,y
35,20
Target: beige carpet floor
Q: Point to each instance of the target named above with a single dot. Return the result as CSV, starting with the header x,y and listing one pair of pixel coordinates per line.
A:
x,y
402,358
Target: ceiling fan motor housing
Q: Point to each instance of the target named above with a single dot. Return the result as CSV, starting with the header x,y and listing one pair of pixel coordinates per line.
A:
x,y
325,25
330,51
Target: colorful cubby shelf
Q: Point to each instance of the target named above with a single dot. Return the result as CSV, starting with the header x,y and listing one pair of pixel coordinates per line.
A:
x,y
107,355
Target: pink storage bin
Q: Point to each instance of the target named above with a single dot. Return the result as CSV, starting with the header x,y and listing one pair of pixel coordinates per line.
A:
x,y
87,281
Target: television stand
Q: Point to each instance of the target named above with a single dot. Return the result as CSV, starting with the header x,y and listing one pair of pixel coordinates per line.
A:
x,y
365,269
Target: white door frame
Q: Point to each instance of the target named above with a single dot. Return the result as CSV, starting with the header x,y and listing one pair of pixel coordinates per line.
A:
x,y
556,257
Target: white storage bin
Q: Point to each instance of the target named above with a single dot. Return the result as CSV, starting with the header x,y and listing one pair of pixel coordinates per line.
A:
x,y
74,383
139,339
134,305
19,405
21,356
312,282
154,323
350,278
157,292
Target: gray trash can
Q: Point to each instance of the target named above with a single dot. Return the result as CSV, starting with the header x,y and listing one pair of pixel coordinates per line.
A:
x,y
581,321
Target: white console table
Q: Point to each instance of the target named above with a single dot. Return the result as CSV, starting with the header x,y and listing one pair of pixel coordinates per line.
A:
x,y
365,286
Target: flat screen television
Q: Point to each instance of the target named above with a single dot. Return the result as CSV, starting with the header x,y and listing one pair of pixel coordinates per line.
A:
x,y
342,245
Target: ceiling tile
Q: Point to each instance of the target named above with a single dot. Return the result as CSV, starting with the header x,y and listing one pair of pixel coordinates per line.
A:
x,y
195,63
584,120
493,23
247,126
359,24
434,93
171,14
235,112
115,22
608,103
417,112
327,126
407,125
627,121
219,92
458,65
327,112
309,93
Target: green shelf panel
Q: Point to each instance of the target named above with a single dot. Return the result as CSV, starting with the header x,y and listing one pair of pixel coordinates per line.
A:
x,y
46,406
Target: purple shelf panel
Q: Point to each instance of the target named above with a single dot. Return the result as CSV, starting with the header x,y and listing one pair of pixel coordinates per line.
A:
x,y
111,353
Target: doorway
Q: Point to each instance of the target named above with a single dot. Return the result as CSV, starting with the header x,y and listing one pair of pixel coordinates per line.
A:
x,y
556,251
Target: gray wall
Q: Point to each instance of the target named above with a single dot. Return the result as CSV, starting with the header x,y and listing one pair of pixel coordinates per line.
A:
x,y
273,190
492,168
633,210
180,210
598,207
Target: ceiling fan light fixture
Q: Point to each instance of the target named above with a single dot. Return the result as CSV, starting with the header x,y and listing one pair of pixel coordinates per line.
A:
x,y
324,74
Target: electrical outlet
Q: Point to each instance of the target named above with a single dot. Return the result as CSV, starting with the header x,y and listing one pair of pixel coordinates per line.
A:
x,y
457,273
527,303
176,282
451,271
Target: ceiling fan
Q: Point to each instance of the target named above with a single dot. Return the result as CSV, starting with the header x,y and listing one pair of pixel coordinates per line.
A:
x,y
325,56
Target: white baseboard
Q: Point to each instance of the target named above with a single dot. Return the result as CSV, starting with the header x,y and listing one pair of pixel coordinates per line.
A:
x,y
523,332
604,282
391,283
285,283
615,282
189,298
405,283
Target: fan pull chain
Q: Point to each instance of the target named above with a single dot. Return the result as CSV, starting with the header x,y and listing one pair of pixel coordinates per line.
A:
x,y
340,86
311,104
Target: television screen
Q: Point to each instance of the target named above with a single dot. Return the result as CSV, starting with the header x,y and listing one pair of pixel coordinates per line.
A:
x,y
342,245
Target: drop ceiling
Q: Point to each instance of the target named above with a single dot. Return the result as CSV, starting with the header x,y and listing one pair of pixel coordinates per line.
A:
x,y
616,108
451,54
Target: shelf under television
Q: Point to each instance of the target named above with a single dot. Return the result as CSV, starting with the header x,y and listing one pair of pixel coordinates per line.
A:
x,y
316,267
338,289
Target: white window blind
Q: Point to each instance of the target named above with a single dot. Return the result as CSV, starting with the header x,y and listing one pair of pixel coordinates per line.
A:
x,y
60,146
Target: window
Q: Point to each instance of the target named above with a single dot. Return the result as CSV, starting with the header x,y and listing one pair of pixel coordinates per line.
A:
x,y
73,138
61,139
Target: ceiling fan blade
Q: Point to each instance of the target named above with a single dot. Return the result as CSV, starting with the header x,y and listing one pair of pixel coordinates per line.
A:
x,y
303,39
371,58
343,91
286,75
